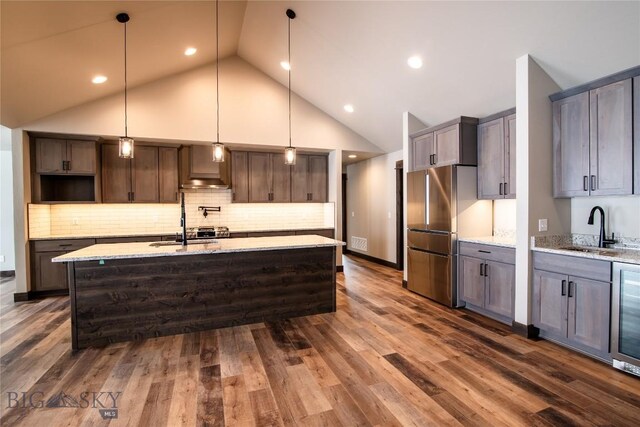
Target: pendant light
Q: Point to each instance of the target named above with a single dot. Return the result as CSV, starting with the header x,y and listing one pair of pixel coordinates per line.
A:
x,y
218,147
290,152
125,144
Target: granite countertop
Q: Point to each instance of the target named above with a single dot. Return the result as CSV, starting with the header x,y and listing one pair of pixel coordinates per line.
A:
x,y
630,256
159,249
505,242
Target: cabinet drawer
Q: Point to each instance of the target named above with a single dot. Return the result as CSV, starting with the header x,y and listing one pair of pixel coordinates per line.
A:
x,y
62,245
132,239
593,269
488,252
320,232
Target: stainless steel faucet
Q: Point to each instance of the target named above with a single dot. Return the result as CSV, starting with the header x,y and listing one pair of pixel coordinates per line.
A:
x,y
602,241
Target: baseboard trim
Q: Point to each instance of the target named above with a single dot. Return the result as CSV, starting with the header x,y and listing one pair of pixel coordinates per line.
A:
x,y
527,331
339,268
374,259
33,295
8,273
404,284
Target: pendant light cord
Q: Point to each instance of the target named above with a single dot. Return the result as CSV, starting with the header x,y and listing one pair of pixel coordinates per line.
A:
x,y
125,81
289,59
217,78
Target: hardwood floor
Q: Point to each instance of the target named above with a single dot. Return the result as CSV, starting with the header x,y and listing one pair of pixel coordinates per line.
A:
x,y
386,357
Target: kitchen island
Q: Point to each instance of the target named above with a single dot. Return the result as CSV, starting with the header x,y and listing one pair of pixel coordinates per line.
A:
x,y
132,291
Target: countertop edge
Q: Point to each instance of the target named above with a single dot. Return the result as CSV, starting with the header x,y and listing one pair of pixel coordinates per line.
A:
x,y
588,255
488,241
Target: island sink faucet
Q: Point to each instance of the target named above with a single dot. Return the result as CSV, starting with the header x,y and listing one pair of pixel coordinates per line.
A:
x,y
602,241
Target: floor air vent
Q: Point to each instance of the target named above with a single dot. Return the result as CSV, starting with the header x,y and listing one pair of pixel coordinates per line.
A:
x,y
359,243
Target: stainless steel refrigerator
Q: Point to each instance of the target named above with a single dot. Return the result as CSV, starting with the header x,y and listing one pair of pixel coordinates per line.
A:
x,y
442,206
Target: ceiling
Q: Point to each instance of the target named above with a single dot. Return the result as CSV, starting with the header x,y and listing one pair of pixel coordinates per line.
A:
x,y
342,52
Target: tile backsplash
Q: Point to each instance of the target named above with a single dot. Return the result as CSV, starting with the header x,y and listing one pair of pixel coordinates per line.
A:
x,y
121,219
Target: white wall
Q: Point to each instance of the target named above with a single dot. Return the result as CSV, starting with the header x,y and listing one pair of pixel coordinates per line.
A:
x,y
534,165
7,249
253,110
371,205
622,215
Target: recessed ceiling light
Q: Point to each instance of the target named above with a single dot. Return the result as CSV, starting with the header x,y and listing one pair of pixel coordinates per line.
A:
x,y
415,62
190,51
348,108
352,156
285,65
98,80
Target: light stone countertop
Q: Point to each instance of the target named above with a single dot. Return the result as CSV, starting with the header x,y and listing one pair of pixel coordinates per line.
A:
x,y
160,249
505,242
629,256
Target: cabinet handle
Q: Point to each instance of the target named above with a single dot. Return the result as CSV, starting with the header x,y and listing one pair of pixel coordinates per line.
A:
x,y
176,196
435,159
585,183
563,289
571,289
133,196
233,196
500,191
505,189
593,183
482,269
486,270
62,245
431,159
68,165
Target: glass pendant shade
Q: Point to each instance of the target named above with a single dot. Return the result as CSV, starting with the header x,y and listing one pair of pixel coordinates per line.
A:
x,y
125,147
290,156
218,152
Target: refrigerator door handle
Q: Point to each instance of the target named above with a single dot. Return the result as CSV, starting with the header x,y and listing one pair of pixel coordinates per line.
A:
x,y
426,198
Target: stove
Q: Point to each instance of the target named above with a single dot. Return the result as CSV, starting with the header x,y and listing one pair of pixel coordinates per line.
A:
x,y
197,233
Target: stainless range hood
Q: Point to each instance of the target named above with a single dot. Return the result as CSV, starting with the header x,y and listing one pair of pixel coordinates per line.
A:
x,y
198,170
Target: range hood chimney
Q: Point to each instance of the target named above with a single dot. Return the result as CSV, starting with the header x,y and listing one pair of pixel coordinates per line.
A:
x,y
198,170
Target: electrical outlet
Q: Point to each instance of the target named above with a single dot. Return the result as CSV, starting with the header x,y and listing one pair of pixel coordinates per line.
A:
x,y
353,214
389,215
75,221
542,225
1,258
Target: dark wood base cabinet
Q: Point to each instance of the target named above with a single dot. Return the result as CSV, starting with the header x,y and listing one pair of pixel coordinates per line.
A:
x,y
133,299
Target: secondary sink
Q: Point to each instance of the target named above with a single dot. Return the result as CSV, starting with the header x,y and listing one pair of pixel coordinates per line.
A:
x,y
597,251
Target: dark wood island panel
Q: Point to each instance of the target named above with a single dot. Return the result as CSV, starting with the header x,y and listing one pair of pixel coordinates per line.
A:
x,y
138,298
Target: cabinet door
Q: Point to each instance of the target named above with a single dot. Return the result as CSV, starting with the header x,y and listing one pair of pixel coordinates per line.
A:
x,y
447,145
589,313
491,159
144,175
636,137
300,179
50,153
421,150
259,177
116,175
50,275
550,302
510,156
611,139
500,283
571,146
202,164
472,281
317,179
168,174
240,177
81,156
281,179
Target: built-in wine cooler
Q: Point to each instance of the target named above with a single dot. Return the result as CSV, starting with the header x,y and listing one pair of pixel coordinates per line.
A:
x,y
625,318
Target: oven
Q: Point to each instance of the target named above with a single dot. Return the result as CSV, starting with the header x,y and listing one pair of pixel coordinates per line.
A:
x,y
625,317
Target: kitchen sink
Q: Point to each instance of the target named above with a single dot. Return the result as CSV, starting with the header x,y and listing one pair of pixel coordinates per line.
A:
x,y
189,243
590,250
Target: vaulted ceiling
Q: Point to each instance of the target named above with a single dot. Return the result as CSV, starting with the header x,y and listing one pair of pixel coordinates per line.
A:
x,y
343,52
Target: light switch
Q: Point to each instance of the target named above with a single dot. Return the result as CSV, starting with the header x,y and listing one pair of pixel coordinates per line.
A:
x,y
353,214
542,225
1,258
75,221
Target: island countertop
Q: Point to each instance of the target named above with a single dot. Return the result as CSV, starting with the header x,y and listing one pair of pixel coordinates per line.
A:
x,y
161,249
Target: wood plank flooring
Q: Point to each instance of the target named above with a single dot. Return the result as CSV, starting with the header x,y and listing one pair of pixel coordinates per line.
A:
x,y
386,357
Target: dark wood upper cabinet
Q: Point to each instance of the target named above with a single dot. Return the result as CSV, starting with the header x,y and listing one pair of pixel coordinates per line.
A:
x,y
62,156
450,143
144,175
497,156
593,140
280,179
259,177
309,179
168,174
239,177
636,133
116,175
611,129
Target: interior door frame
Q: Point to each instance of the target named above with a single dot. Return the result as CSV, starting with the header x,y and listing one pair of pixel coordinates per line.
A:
x,y
399,215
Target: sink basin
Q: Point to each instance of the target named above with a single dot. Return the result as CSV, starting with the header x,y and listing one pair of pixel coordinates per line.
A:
x,y
590,250
189,243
